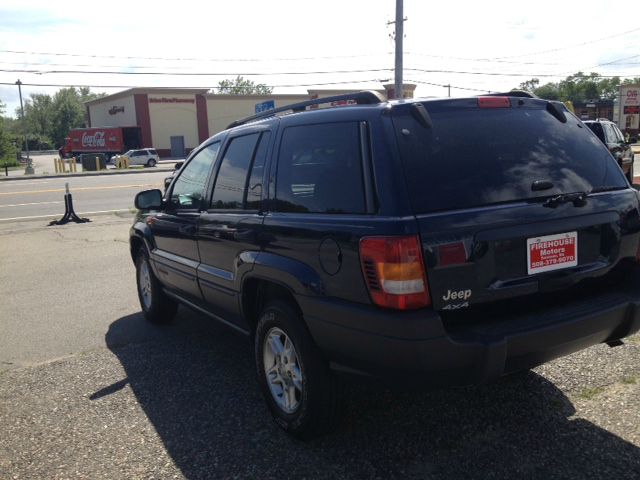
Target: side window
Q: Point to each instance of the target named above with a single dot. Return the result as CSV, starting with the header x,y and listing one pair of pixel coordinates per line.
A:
x,y
228,192
619,136
188,189
254,186
610,134
320,169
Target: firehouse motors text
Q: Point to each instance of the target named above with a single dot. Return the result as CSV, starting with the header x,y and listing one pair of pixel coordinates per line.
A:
x,y
553,252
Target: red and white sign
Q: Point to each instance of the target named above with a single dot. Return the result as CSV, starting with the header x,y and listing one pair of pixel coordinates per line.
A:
x,y
552,252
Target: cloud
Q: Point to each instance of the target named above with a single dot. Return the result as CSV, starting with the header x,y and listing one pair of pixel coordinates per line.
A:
x,y
34,22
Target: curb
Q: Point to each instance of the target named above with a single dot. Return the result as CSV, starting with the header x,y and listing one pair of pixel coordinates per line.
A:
x,y
86,174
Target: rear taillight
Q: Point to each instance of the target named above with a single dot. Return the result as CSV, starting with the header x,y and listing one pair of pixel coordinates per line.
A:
x,y
494,102
394,272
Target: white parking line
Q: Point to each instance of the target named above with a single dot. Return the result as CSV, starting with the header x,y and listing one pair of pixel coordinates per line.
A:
x,y
80,214
34,203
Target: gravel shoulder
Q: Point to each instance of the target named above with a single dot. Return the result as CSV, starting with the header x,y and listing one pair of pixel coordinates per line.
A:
x,y
185,405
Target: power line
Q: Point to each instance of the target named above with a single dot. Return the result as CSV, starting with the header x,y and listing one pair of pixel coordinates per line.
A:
x,y
567,47
498,74
192,74
208,87
448,86
195,59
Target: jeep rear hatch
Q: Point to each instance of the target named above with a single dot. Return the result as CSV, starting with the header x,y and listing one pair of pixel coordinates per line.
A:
x,y
511,200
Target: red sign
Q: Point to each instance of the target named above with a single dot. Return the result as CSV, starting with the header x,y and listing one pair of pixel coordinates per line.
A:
x,y
95,140
552,252
632,110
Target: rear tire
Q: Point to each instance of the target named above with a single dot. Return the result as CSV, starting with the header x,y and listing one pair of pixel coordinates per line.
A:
x,y
156,306
295,380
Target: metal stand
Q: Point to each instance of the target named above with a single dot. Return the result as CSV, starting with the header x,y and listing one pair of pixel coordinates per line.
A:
x,y
69,214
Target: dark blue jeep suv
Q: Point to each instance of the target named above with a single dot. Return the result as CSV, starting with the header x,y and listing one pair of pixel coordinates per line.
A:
x,y
426,241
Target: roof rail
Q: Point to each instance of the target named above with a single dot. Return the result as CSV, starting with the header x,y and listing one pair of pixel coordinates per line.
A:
x,y
361,98
512,93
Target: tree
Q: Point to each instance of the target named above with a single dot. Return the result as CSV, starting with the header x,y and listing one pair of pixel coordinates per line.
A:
x,y
579,87
7,147
69,113
240,86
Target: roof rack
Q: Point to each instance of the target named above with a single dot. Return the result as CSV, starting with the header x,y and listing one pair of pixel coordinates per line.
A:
x,y
361,98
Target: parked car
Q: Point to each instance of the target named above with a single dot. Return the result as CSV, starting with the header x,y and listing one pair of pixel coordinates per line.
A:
x,y
609,134
144,156
432,241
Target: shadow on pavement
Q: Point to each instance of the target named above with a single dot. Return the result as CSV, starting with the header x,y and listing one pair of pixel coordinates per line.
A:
x,y
196,383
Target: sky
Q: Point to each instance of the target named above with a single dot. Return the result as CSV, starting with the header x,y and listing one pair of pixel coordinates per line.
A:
x,y
293,46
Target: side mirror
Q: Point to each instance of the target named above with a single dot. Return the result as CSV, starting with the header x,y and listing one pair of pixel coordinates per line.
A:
x,y
178,165
149,200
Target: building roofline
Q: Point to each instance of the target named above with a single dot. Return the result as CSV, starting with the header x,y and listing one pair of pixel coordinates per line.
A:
x,y
149,91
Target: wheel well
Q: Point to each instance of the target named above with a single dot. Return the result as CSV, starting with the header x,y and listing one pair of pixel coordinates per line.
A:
x,y
258,293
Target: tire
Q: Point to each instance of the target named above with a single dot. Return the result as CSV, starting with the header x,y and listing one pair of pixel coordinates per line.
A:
x,y
311,407
630,174
156,306
151,162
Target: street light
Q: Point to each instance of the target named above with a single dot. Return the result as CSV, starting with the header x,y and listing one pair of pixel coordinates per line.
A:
x,y
29,170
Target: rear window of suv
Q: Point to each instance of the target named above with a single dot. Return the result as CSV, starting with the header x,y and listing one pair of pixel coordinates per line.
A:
x,y
473,157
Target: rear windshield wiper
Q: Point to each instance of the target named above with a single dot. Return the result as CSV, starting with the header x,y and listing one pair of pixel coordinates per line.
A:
x,y
579,199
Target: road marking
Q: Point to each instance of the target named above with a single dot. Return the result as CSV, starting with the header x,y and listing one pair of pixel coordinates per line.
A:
x,y
35,217
34,203
78,188
27,183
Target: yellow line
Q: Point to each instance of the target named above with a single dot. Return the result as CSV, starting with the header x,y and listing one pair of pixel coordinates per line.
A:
x,y
77,189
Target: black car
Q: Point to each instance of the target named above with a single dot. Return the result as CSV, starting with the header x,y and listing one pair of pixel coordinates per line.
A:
x,y
609,134
438,242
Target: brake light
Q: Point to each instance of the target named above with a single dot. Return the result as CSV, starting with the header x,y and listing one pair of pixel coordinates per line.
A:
x,y
394,272
494,102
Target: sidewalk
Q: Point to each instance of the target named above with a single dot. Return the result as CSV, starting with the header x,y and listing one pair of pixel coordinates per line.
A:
x,y
44,167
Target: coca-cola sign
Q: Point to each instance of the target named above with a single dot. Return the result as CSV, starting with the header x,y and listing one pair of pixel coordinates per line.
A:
x,y
95,140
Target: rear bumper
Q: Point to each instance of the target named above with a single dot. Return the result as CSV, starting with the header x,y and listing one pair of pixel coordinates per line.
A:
x,y
415,347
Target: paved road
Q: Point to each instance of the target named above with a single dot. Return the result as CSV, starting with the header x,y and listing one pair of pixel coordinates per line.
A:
x,y
44,197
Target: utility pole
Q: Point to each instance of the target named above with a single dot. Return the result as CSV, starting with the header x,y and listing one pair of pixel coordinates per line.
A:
x,y
399,90
29,170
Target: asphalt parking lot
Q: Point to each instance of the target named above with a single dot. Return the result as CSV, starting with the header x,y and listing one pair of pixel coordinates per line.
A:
x,y
89,390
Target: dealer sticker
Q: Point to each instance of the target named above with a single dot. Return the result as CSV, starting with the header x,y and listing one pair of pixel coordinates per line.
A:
x,y
552,252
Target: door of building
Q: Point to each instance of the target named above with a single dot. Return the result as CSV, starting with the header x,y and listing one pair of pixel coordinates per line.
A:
x,y
177,146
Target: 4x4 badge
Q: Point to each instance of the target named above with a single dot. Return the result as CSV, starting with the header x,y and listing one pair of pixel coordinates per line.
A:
x,y
457,306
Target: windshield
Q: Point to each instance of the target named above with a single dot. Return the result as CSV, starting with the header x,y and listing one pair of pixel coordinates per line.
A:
x,y
129,153
472,157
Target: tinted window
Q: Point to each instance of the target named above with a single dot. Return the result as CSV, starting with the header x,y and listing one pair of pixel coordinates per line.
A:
x,y
598,130
188,189
254,187
320,169
473,157
228,192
